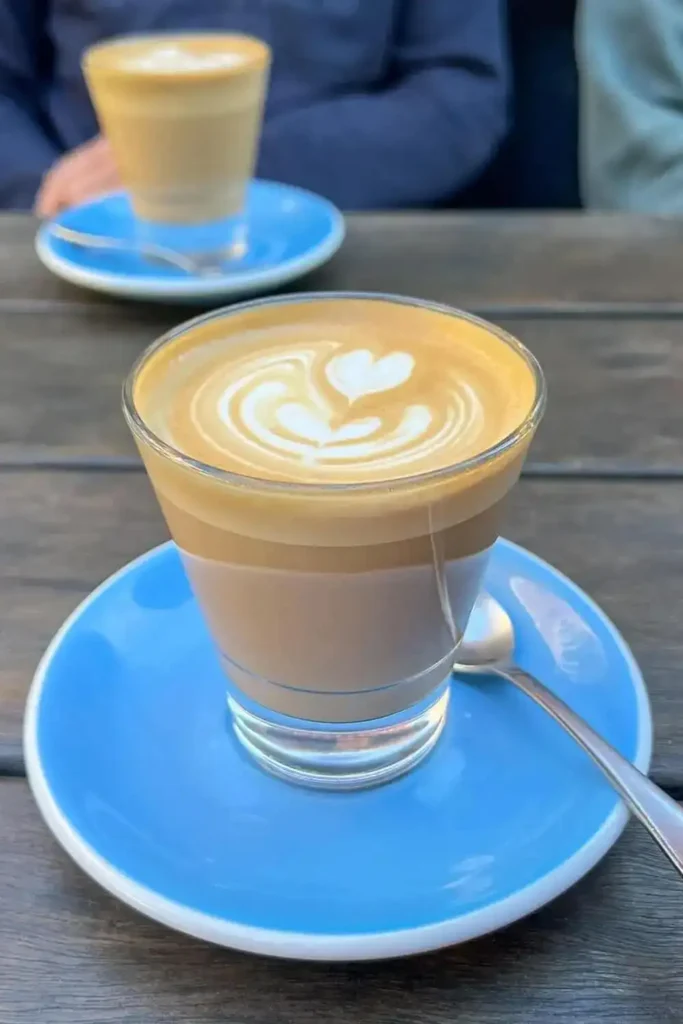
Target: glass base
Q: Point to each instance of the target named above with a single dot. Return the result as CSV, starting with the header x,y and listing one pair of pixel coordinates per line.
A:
x,y
209,243
341,757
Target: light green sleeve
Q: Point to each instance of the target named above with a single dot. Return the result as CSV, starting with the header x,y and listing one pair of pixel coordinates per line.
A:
x,y
630,57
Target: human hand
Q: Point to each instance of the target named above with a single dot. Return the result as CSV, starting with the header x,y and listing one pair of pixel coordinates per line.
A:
x,y
85,172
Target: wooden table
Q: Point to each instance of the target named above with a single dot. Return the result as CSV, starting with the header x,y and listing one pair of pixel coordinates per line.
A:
x,y
600,301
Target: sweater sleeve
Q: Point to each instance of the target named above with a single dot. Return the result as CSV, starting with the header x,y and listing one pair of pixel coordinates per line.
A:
x,y
422,137
26,150
631,81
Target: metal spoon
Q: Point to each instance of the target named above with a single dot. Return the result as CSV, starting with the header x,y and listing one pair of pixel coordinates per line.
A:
x,y
160,253
487,649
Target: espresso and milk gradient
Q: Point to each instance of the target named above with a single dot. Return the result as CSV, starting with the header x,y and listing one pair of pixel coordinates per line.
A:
x,y
183,115
340,602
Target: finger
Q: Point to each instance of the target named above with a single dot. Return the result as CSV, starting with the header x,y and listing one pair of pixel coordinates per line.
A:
x,y
53,194
87,186
50,197
77,177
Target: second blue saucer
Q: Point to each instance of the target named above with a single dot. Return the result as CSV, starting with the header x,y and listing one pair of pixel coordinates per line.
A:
x,y
291,232
136,770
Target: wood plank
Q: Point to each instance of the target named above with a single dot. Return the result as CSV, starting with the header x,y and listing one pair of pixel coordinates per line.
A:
x,y
469,259
520,259
607,951
61,377
62,533
616,386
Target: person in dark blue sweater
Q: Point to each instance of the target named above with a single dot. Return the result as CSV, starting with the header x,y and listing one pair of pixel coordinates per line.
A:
x,y
373,103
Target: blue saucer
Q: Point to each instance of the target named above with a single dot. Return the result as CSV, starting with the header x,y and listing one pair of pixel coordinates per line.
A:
x,y
290,231
136,772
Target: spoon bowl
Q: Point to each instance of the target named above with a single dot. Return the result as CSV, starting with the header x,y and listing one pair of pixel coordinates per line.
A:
x,y
488,647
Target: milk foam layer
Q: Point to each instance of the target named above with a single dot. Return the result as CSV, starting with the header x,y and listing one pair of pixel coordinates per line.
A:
x,y
305,406
173,58
336,391
184,55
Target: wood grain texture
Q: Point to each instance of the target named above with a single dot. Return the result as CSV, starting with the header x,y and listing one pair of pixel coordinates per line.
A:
x,y
62,533
608,951
463,258
520,259
616,386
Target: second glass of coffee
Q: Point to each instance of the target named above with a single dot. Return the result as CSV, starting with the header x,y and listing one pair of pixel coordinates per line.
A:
x,y
333,470
183,116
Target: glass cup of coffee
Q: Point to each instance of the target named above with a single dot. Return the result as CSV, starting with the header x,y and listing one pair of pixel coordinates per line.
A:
x,y
183,116
333,469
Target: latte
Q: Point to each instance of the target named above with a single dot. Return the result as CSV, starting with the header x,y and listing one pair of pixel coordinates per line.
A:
x,y
183,114
333,470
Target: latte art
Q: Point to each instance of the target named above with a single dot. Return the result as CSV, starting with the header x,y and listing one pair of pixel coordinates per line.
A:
x,y
323,406
343,392
358,373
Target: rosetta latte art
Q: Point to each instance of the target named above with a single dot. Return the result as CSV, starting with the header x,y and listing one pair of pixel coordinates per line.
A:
x,y
328,406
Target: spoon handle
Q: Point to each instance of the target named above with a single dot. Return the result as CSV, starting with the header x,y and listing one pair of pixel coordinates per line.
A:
x,y
155,252
661,816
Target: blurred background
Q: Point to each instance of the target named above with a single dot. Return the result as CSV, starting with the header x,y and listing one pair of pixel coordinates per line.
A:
x,y
381,104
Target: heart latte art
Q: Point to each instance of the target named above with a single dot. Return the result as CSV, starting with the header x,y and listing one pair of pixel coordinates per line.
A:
x,y
326,406
336,402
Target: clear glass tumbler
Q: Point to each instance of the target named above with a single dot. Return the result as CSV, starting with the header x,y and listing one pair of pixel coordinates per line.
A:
x,y
336,608
183,113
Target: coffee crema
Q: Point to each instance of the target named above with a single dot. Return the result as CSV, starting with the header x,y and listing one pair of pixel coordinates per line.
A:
x,y
335,391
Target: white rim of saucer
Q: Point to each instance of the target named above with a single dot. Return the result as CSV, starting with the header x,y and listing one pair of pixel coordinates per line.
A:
x,y
248,283
329,947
